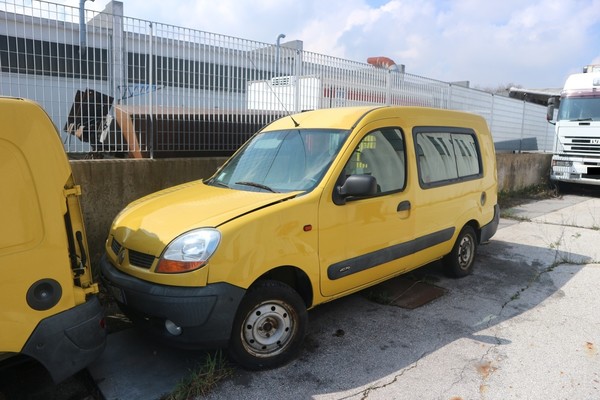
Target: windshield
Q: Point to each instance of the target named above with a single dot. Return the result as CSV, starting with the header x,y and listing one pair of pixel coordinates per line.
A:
x,y
579,109
282,161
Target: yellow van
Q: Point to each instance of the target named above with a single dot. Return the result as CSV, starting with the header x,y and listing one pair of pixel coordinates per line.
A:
x,y
315,206
49,310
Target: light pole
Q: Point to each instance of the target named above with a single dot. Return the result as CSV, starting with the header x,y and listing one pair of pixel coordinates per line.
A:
x,y
277,46
82,33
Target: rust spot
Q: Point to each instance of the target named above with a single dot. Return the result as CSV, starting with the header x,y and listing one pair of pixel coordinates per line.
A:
x,y
456,398
485,369
591,348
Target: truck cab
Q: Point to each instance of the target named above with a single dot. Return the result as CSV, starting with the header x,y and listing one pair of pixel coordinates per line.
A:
x,y
50,311
576,152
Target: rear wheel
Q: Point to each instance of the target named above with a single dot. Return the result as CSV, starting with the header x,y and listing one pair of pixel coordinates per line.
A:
x,y
460,261
269,326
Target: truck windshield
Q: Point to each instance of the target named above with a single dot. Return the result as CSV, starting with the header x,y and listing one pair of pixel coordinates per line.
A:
x,y
282,161
579,109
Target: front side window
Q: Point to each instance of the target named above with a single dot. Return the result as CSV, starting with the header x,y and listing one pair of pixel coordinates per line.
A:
x,y
282,161
380,154
446,155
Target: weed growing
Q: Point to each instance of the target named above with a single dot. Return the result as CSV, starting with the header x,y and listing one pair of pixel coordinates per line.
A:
x,y
202,379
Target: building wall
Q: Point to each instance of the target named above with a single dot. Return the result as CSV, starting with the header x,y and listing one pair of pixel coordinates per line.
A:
x,y
109,185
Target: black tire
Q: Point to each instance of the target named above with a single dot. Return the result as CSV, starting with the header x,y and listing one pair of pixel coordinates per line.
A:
x,y
269,327
459,263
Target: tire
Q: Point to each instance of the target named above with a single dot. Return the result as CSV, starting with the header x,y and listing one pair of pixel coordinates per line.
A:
x,y
459,263
269,327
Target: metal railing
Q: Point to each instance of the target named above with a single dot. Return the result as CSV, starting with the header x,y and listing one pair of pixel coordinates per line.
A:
x,y
140,88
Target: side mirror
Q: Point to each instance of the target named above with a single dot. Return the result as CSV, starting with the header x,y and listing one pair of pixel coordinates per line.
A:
x,y
357,186
550,110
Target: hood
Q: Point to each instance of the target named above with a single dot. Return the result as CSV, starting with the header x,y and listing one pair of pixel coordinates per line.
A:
x,y
150,223
578,129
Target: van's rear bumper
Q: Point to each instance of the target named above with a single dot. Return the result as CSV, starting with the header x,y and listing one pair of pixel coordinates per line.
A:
x,y
205,314
67,342
489,230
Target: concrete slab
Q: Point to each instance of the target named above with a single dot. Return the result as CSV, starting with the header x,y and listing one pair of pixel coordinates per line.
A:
x,y
539,208
133,367
524,325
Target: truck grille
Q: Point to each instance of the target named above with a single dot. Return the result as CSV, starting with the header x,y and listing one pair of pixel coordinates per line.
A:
x,y
582,145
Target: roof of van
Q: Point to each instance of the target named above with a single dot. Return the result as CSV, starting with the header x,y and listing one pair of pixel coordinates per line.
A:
x,y
349,117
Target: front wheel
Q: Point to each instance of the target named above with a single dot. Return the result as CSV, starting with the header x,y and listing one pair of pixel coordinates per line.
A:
x,y
269,326
459,263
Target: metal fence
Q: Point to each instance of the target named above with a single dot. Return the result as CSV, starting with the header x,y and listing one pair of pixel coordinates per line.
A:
x,y
138,88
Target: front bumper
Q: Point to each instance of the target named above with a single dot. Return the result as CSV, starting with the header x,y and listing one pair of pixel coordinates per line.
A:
x,y
67,342
205,314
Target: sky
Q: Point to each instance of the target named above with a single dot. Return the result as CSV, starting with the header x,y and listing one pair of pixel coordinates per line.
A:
x,y
491,44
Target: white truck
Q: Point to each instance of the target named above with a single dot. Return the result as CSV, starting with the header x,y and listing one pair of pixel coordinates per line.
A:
x,y
576,157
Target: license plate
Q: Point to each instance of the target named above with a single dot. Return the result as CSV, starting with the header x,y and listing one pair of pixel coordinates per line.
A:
x,y
593,170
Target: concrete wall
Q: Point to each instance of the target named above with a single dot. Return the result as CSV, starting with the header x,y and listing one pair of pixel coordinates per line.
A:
x,y
519,171
109,185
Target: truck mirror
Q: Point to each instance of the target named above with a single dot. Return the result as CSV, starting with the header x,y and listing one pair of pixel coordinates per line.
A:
x,y
552,103
550,113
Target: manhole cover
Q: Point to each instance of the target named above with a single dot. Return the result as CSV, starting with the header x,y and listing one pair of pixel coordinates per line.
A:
x,y
405,293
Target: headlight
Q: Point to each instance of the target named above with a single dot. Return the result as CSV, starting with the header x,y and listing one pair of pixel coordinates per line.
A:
x,y
189,251
562,163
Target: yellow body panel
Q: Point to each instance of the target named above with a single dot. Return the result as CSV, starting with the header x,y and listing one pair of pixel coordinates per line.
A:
x,y
37,192
308,230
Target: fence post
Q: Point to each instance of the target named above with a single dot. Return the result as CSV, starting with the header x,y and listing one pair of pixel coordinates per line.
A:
x,y
388,84
522,127
150,129
492,127
298,73
118,51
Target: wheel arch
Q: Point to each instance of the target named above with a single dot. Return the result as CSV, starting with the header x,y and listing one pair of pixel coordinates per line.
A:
x,y
476,227
293,277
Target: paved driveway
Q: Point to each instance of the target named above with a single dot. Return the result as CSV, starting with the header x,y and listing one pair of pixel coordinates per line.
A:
x,y
525,325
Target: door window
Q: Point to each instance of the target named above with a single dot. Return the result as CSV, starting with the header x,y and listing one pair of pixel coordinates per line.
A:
x,y
381,154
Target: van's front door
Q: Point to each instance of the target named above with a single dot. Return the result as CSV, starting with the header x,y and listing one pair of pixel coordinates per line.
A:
x,y
367,238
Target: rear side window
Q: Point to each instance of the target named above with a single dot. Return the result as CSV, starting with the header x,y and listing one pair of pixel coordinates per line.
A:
x,y
446,155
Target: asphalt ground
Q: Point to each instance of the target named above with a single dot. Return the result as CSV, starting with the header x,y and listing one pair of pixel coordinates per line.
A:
x,y
524,325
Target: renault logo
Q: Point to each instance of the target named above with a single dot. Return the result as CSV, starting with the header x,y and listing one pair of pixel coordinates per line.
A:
x,y
121,256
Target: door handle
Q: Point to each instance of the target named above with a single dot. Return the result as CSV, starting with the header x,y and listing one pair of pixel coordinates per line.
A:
x,y
403,206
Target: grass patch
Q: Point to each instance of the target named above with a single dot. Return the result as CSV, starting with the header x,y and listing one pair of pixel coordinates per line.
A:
x,y
202,379
510,214
509,199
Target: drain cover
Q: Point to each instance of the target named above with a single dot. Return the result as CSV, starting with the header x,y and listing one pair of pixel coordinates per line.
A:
x,y
405,293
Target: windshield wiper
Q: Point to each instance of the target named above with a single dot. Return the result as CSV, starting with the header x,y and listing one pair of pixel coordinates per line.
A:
x,y
257,185
581,119
213,182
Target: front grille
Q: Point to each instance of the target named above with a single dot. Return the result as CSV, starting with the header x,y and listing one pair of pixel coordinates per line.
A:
x,y
136,258
582,145
115,246
141,260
